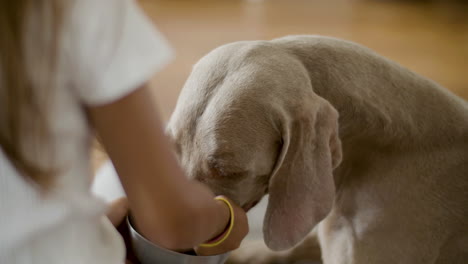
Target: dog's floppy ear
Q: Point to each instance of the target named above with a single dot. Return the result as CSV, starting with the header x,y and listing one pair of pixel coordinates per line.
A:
x,y
302,187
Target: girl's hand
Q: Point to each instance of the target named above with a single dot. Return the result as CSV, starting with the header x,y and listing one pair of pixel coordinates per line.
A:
x,y
233,241
116,213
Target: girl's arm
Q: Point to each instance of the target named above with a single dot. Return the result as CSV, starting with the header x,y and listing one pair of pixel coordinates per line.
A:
x,y
168,209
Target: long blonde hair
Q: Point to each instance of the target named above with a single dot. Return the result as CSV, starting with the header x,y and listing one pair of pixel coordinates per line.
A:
x,y
21,110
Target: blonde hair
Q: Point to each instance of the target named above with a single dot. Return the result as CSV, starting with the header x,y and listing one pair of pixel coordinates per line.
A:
x,y
21,105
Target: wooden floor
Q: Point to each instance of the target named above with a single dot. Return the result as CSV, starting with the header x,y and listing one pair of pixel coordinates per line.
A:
x,y
431,39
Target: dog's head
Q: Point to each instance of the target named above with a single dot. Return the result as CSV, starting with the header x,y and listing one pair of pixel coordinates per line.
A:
x,y
248,123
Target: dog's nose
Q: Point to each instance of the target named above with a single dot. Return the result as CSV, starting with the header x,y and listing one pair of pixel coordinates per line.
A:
x,y
198,178
250,205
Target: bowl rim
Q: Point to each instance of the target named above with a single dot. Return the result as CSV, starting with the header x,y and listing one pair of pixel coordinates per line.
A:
x,y
175,253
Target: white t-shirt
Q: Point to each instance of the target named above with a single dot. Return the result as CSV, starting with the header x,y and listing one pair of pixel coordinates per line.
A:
x,y
108,49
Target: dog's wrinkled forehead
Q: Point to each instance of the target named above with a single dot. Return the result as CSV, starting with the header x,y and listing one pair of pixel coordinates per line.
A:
x,y
227,130
227,113
225,86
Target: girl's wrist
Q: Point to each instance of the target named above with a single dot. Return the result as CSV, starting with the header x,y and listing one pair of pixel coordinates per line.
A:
x,y
226,216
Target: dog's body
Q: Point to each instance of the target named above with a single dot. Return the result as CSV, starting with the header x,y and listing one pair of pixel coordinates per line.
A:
x,y
387,181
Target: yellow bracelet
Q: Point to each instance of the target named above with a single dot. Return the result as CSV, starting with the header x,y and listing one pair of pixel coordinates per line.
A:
x,y
229,229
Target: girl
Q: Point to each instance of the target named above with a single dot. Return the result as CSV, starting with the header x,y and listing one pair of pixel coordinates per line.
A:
x,y
68,68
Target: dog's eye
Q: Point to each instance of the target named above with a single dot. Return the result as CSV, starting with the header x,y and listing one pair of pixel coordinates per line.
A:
x,y
223,173
237,175
219,168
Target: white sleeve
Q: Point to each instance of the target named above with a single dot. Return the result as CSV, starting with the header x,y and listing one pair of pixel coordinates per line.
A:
x,y
113,48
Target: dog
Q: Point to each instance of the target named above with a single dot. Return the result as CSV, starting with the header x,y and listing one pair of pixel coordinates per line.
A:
x,y
369,155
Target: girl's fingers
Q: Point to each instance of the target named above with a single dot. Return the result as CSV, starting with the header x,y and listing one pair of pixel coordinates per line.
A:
x,y
117,211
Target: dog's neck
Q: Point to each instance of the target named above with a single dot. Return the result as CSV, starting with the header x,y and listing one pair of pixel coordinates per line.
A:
x,y
380,103
385,110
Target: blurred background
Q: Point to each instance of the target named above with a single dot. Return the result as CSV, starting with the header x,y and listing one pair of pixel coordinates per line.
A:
x,y
429,37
